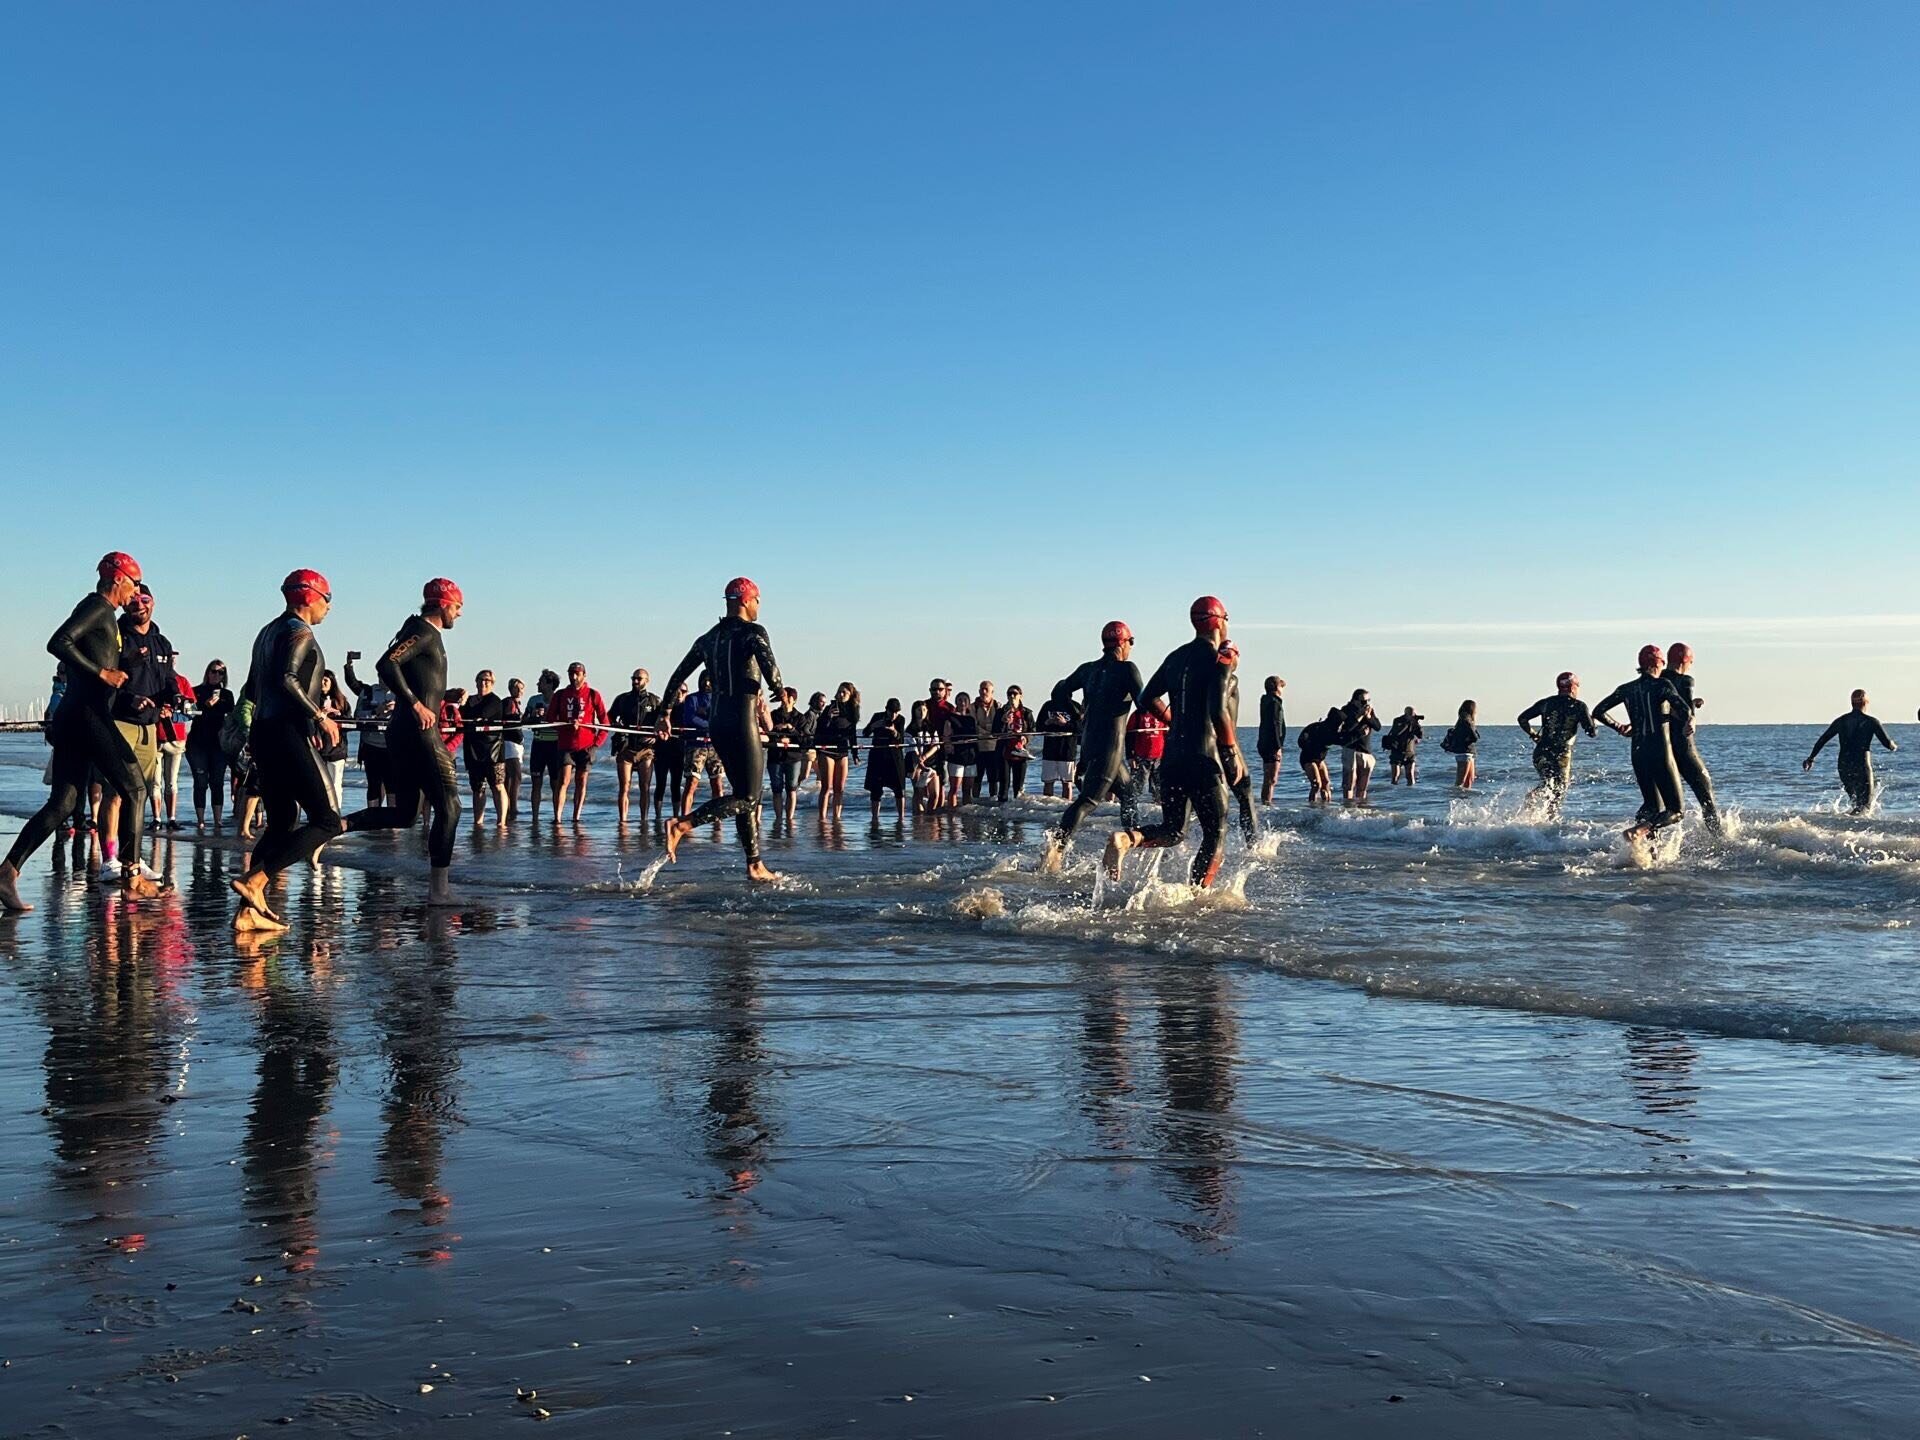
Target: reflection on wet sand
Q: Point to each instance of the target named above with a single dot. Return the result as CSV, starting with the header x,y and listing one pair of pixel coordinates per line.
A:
x,y
1105,1063
299,1065
737,1133
1198,1042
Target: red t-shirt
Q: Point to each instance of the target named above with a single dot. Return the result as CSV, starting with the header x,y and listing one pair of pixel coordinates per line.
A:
x,y
581,714
1146,736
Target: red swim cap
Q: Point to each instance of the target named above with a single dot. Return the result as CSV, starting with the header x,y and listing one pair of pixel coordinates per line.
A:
x,y
439,594
1565,680
119,563
742,590
1678,653
1205,611
1115,633
303,587
1650,656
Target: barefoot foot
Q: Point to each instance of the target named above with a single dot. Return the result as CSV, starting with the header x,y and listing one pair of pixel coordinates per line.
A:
x,y
1117,847
759,874
676,831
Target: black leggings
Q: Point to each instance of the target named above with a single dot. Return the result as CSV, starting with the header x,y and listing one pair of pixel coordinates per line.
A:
x,y
1659,783
418,765
288,779
209,777
736,740
1206,794
668,763
1693,770
1097,782
84,740
1013,776
373,768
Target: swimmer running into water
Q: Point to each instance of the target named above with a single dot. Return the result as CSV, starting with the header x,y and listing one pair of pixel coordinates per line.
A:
x,y
414,670
283,683
1562,716
1111,687
1203,758
1651,703
738,658
83,737
1856,731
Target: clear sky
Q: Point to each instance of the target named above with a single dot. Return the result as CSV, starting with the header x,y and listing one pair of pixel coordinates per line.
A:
x,y
1452,344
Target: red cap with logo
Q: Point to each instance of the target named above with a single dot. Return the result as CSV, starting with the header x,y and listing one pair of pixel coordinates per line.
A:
x,y
1565,680
1678,653
119,563
303,587
441,592
1209,612
1650,656
741,590
1115,633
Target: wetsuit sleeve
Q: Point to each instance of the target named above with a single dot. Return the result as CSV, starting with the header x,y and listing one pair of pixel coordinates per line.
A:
x,y
1220,712
1155,688
769,667
1532,712
1063,692
1599,712
1585,719
1825,735
1880,731
1280,721
299,647
695,659
390,673
64,646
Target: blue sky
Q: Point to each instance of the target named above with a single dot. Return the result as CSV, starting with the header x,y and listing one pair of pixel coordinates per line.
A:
x,y
1451,344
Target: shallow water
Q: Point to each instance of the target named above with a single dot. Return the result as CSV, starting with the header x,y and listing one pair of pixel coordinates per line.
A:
x,y
921,1122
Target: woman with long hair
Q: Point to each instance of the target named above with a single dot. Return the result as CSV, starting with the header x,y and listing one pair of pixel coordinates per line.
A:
x,y
1461,742
835,742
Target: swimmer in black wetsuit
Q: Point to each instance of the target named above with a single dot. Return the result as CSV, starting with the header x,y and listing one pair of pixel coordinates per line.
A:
x,y
1202,758
83,736
1273,735
1111,686
1650,702
1562,716
414,670
738,658
1686,755
284,685
1856,731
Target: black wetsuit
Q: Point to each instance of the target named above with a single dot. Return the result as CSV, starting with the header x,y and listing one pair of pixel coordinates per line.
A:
x,y
1273,727
283,683
83,736
1856,731
1650,700
738,658
1686,756
1194,773
1110,687
1561,718
414,669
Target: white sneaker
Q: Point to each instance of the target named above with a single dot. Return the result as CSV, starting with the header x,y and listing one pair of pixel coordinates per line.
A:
x,y
147,872
110,870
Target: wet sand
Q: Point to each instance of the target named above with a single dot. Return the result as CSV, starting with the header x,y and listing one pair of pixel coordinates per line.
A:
x,y
690,1162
